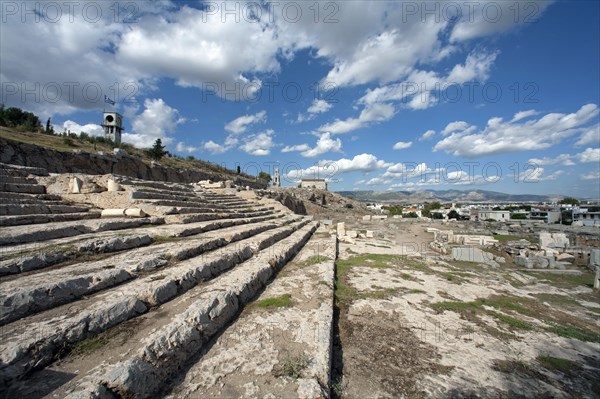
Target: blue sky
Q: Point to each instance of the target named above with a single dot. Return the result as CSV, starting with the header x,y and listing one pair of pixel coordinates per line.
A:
x,y
499,95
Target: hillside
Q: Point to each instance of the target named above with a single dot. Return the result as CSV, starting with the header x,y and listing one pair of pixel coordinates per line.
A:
x,y
444,196
73,155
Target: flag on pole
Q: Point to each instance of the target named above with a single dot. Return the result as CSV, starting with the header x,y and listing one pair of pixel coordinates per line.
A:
x,y
108,100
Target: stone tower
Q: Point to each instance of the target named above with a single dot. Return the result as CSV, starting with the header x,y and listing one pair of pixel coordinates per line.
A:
x,y
276,178
113,126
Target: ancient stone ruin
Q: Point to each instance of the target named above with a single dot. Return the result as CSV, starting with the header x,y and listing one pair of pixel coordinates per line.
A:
x,y
145,277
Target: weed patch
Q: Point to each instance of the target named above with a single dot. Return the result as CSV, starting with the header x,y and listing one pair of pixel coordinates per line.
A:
x,y
582,334
506,238
512,322
585,279
293,366
281,301
565,366
316,259
89,344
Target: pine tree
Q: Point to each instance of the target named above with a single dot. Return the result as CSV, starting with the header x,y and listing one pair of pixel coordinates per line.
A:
x,y
157,151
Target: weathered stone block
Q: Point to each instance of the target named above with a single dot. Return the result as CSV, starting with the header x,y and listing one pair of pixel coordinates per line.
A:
x,y
594,258
113,185
523,261
135,213
565,257
75,185
112,213
341,229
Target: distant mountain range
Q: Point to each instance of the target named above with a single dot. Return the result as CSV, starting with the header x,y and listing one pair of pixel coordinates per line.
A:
x,y
410,197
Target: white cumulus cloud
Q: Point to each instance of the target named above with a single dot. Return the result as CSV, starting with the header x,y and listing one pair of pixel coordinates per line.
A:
x,y
240,125
371,114
324,144
562,159
298,147
91,128
503,137
182,147
589,135
427,135
158,120
332,168
213,147
402,145
259,144
589,155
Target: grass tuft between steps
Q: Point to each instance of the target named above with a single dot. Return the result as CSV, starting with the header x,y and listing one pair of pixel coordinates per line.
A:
x,y
281,301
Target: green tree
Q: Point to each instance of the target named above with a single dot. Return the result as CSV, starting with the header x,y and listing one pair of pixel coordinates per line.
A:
x,y
238,170
453,214
264,176
157,151
518,216
83,136
569,201
394,209
566,217
430,207
19,119
434,205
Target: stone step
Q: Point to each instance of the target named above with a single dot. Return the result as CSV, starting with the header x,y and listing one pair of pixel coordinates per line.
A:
x,y
29,197
44,232
40,209
217,196
22,188
18,170
192,196
142,184
54,254
245,208
266,340
32,249
200,217
29,201
35,292
190,203
33,342
23,258
159,350
20,220
162,195
16,179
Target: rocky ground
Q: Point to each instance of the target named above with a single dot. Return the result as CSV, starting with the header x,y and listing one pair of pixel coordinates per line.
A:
x,y
227,294
421,325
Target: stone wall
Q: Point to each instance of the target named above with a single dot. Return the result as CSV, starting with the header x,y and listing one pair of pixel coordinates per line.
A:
x,y
16,153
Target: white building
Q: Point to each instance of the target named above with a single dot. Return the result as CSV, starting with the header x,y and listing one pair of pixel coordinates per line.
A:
x,y
417,211
586,216
547,215
314,183
499,216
